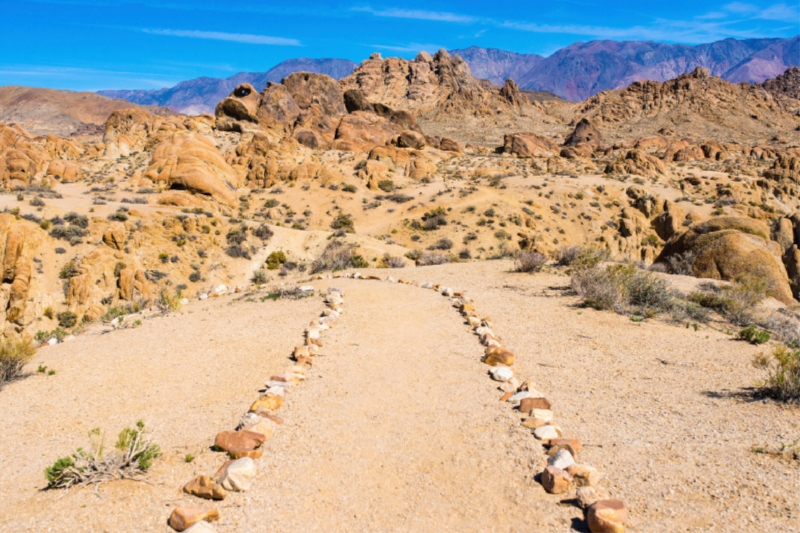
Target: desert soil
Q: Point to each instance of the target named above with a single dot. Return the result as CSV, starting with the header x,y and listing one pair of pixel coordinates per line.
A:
x,y
398,427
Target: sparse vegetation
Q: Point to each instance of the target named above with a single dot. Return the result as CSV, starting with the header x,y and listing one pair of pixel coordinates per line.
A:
x,y
67,319
529,261
13,358
753,335
783,374
338,255
275,260
133,454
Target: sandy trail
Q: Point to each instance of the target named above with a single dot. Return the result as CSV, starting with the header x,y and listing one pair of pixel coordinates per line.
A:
x,y
399,429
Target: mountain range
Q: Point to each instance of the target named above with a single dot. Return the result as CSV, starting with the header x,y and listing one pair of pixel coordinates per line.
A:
x,y
575,73
201,95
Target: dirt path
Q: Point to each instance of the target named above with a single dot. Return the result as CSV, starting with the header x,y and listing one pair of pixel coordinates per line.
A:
x,y
398,429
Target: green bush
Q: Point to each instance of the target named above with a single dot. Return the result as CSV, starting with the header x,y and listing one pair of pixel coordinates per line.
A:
x,y
343,221
134,454
624,288
275,260
783,374
754,336
386,185
348,188
69,270
67,319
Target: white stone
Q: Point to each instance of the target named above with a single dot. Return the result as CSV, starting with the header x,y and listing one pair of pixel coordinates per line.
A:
x,y
115,321
501,373
390,279
276,391
307,288
427,285
280,384
239,475
184,301
53,341
518,397
546,432
544,414
203,296
561,459
200,527
221,288
447,291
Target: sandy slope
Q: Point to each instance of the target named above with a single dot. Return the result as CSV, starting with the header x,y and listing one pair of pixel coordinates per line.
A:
x,y
398,428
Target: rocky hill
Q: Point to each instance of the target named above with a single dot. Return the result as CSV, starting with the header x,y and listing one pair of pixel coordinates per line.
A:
x,y
787,85
585,69
61,113
201,95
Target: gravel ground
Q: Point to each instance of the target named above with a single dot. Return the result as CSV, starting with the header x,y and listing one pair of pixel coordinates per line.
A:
x,y
398,427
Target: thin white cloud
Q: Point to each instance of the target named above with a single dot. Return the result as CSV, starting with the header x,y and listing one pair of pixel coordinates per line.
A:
x,y
220,36
441,16
781,12
410,47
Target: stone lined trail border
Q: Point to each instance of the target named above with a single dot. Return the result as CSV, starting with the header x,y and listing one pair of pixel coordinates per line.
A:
x,y
603,515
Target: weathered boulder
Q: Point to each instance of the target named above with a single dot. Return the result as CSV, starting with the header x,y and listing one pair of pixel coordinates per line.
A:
x,y
527,144
410,139
510,93
607,516
585,133
192,162
670,222
114,236
728,247
64,171
639,163
361,131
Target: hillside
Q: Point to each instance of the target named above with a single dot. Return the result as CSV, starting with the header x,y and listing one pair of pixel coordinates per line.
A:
x,y
201,95
585,69
61,113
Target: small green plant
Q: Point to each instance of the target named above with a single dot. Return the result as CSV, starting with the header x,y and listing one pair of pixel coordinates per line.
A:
x,y
133,455
783,374
42,369
753,335
69,270
163,257
67,319
137,323
275,260
170,301
48,312
195,276
348,188
44,336
259,277
51,372
188,458
13,358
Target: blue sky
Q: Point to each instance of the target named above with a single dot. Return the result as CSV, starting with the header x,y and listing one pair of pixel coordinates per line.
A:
x,y
146,44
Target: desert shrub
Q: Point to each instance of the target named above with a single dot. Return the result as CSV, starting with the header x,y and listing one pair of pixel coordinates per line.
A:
x,y
432,258
44,336
120,215
348,188
237,252
263,232
753,335
624,288
581,257
390,261
736,301
13,358
77,220
237,235
529,261
67,232
465,254
195,276
67,319
386,185
783,374
259,276
343,222
682,264
132,456
275,260
167,301
442,244
338,255
69,270
434,218
398,198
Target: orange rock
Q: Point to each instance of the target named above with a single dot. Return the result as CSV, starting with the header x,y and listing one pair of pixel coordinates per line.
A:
x,y
555,480
467,307
529,404
238,440
506,396
585,476
203,487
496,355
574,443
239,453
184,517
534,422
607,516
266,403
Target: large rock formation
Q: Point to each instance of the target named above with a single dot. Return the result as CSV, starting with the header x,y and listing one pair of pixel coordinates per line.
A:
x,y
728,247
190,161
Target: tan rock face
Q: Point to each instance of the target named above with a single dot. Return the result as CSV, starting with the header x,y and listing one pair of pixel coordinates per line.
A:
x,y
361,131
191,161
114,236
639,163
731,246
184,517
528,144
204,487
